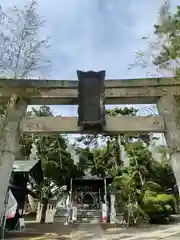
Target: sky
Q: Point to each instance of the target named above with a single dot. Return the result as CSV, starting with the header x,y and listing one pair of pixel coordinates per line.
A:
x,y
95,35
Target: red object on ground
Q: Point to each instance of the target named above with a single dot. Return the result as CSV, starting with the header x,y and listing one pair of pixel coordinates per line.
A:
x,y
105,218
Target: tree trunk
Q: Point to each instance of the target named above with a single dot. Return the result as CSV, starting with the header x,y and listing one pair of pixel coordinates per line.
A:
x,y
44,208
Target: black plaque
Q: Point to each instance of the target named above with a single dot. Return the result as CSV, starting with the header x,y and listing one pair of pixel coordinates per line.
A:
x,y
91,110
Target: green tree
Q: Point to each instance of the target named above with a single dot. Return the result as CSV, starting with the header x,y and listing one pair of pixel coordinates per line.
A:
x,y
164,49
143,178
168,33
134,180
23,52
136,183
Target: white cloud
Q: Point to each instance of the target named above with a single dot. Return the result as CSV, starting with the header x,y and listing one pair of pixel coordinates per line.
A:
x,y
96,34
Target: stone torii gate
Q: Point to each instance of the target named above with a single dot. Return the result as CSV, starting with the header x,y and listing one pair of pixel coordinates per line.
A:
x,y
165,92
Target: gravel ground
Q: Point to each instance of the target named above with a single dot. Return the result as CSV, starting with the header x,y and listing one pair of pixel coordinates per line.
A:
x,y
36,231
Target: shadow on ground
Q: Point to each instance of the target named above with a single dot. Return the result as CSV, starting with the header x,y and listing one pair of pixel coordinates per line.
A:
x,y
42,231
59,231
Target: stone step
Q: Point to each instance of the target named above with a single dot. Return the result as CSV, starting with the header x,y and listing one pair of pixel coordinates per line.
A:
x,y
83,216
89,216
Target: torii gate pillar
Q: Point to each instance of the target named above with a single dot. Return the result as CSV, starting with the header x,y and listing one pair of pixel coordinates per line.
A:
x,y
169,107
9,143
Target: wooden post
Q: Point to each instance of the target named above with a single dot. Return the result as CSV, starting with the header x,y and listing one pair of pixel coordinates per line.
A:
x,y
169,107
9,143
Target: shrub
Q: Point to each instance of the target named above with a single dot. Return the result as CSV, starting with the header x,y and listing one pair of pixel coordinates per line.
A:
x,y
158,206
